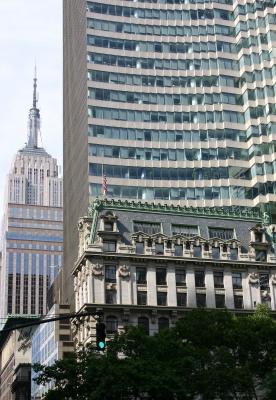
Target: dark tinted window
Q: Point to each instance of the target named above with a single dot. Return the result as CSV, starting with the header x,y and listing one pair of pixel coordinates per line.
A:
x,y
220,300
142,298
201,300
141,275
200,278
237,280
181,299
218,279
180,277
110,273
161,276
161,298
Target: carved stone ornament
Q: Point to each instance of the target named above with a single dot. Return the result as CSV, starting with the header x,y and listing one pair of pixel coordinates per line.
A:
x,y
266,295
88,267
111,286
97,269
87,232
253,278
124,271
273,279
266,218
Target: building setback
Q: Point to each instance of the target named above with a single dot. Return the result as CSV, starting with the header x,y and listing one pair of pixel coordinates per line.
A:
x,y
174,101
32,231
147,264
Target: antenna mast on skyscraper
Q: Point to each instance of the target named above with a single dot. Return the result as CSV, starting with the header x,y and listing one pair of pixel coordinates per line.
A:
x,y
34,117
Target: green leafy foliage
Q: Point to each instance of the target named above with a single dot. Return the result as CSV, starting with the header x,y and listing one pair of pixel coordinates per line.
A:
x,y
208,355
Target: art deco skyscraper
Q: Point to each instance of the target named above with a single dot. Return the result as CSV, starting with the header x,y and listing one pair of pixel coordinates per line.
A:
x,y
173,100
32,232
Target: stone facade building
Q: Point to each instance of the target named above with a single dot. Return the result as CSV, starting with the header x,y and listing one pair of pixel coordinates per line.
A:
x,y
172,100
146,264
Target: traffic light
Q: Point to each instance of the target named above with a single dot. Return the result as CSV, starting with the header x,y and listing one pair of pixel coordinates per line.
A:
x,y
100,336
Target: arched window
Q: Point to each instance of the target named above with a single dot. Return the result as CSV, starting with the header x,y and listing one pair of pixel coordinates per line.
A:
x,y
111,324
163,323
143,322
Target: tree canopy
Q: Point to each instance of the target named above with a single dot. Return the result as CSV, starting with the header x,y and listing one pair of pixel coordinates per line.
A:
x,y
208,355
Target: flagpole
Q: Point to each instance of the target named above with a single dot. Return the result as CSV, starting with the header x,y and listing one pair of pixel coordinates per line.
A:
x,y
104,183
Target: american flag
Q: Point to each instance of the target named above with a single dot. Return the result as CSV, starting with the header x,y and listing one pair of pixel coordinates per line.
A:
x,y
104,185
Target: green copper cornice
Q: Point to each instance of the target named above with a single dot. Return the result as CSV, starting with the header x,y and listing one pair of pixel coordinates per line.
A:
x,y
234,212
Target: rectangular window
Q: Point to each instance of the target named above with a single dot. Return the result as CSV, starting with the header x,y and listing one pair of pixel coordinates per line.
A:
x,y
181,299
218,279
180,277
197,251
233,254
237,280
201,299
221,233
186,230
216,253
178,250
140,248
147,227
199,278
159,248
10,290
110,273
110,296
141,275
220,300
17,293
161,276
142,298
109,246
238,301
161,298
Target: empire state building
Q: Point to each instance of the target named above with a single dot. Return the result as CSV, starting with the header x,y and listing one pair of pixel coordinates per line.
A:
x,y
32,233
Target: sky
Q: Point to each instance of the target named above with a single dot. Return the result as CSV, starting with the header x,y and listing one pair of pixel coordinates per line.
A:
x,y
30,33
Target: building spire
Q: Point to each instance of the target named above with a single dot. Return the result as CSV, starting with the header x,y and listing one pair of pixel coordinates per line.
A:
x,y
34,118
35,86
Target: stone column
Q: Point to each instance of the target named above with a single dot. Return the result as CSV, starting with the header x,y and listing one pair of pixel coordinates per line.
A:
x,y
228,284
124,285
273,289
247,300
254,288
210,290
133,284
191,293
171,286
151,286
89,287
98,290
80,290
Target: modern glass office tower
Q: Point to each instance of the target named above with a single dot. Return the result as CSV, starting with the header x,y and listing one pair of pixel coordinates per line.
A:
x,y
32,229
172,100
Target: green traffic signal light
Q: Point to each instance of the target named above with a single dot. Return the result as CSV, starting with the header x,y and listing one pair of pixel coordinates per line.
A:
x,y
101,345
100,336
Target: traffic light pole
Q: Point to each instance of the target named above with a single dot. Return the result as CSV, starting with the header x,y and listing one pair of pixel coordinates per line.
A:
x,y
60,317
